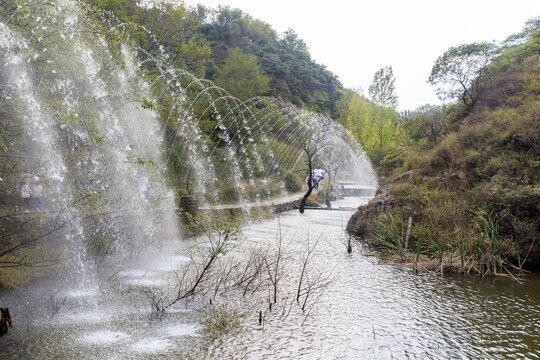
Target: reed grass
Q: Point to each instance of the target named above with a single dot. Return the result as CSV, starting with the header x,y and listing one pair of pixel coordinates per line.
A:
x,y
475,247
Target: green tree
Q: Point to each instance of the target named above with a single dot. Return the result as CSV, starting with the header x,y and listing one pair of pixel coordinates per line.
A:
x,y
163,26
383,94
241,75
312,143
425,125
458,70
359,114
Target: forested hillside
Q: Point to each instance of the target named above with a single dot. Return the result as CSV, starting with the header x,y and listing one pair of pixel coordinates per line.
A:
x,y
469,178
231,48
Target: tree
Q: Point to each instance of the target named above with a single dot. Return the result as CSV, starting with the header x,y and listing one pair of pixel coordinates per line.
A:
x,y
382,89
311,142
359,114
241,75
157,25
458,70
425,125
382,93
524,35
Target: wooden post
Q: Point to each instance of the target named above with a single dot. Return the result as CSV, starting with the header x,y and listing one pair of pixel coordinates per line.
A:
x,y
5,321
408,232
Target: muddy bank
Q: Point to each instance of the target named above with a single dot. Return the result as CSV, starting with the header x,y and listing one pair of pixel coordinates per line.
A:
x,y
361,222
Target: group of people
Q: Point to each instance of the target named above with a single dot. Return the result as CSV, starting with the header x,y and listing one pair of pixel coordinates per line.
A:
x,y
32,193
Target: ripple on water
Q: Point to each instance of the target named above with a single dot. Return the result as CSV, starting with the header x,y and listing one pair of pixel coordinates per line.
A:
x,y
82,317
152,345
103,337
182,330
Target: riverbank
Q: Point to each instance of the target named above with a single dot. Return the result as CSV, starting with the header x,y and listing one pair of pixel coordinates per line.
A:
x,y
464,192
422,242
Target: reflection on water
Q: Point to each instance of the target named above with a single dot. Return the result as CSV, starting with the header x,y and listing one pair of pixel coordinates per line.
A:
x,y
371,312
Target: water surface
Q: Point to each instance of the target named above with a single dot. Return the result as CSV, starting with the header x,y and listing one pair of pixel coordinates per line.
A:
x,y
370,311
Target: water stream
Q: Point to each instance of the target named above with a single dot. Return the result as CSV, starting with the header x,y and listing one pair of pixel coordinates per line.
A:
x,y
368,311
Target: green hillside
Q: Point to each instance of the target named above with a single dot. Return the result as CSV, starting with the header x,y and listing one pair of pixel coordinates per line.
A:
x,y
208,42
469,178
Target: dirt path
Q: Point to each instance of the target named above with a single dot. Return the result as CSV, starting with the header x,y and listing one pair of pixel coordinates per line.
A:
x,y
263,203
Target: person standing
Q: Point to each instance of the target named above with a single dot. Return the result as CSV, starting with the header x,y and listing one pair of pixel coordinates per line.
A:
x,y
25,193
316,179
37,191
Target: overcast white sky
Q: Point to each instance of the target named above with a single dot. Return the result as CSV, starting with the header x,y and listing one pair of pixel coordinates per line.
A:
x,y
354,38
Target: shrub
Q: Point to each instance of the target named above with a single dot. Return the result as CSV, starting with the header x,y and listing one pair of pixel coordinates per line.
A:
x,y
230,195
414,160
472,159
293,183
441,157
8,278
394,159
468,137
256,189
221,319
444,153
389,234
